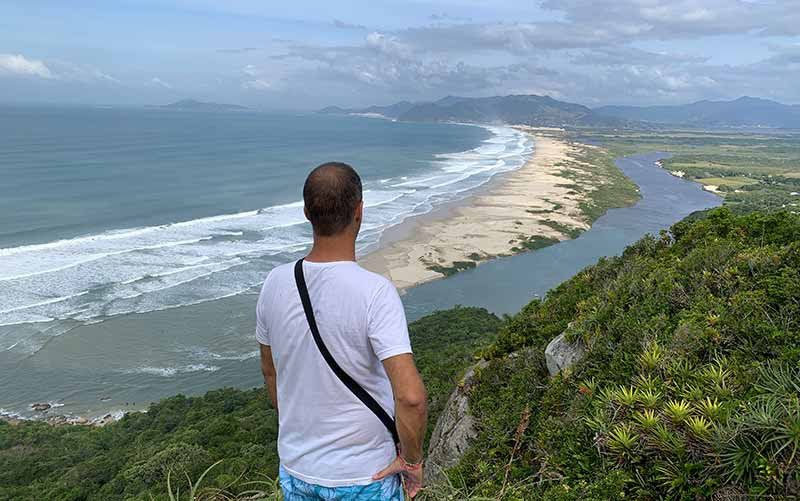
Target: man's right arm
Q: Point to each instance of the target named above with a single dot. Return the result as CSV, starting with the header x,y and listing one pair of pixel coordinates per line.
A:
x,y
411,405
268,370
411,416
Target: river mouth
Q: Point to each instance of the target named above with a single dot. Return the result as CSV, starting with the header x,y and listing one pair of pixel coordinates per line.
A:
x,y
192,349
505,285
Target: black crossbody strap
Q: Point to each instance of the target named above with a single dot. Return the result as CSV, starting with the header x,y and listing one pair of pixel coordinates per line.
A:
x,y
345,378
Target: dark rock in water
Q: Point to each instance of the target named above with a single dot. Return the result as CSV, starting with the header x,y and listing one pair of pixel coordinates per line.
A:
x,y
57,420
40,407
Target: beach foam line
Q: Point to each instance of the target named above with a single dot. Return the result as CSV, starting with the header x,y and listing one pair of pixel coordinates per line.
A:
x,y
204,354
43,303
104,255
171,371
135,232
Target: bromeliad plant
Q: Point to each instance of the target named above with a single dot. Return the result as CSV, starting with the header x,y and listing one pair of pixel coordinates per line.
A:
x,y
699,427
678,410
623,441
651,358
711,408
647,419
627,396
649,398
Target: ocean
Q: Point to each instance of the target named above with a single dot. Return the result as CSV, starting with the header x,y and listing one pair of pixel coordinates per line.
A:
x,y
133,240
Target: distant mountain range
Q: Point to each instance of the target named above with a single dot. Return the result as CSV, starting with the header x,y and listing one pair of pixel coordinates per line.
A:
x,y
192,105
548,112
518,109
743,112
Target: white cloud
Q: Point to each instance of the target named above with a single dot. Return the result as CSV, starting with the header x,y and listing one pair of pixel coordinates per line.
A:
x,y
257,84
157,82
18,64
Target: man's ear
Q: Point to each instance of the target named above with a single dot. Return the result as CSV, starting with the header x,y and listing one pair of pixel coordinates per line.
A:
x,y
305,212
359,211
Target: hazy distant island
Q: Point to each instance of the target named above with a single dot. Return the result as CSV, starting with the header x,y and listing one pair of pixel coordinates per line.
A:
x,y
194,105
541,111
544,111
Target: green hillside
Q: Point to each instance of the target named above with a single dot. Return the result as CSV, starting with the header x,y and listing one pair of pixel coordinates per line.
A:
x,y
690,388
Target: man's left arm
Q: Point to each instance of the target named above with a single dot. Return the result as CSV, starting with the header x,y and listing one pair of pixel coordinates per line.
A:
x,y
268,369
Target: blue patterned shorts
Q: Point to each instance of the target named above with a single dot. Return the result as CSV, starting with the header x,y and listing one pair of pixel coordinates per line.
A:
x,y
294,489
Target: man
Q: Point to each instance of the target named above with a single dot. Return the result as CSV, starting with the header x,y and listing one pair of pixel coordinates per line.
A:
x,y
331,445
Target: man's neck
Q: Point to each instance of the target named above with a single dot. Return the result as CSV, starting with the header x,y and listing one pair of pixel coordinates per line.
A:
x,y
330,249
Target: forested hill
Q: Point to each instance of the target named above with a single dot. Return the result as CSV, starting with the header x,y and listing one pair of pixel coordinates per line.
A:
x,y
743,112
690,383
516,109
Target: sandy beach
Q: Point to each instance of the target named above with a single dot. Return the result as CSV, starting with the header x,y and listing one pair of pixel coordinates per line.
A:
x,y
535,205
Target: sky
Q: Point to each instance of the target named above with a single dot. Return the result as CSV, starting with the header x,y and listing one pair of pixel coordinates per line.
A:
x,y
296,54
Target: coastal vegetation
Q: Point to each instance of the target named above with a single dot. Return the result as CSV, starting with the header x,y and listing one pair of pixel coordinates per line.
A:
x,y
182,436
751,171
689,386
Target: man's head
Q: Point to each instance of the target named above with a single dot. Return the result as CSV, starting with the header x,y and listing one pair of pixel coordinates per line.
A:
x,y
332,196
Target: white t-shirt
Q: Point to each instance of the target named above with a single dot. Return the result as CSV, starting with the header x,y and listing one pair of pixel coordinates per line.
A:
x,y
326,435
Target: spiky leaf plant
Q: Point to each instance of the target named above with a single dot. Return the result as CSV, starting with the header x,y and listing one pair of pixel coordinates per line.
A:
x,y
717,378
673,476
680,369
647,419
623,440
649,398
778,380
647,382
599,422
626,396
710,408
692,392
699,426
667,440
738,458
607,396
588,387
650,359
678,410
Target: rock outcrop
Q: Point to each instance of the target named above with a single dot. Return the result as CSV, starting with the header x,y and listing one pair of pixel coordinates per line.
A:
x,y
561,354
454,430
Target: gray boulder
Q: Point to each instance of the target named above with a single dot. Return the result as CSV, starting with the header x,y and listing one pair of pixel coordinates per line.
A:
x,y
561,354
454,430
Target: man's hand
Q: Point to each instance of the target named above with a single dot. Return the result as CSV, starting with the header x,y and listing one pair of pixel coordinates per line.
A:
x,y
410,474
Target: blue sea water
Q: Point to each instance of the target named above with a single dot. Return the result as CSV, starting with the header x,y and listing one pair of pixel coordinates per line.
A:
x,y
111,217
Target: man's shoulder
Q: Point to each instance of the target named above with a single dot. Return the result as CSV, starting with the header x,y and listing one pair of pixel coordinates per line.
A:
x,y
278,275
282,270
375,280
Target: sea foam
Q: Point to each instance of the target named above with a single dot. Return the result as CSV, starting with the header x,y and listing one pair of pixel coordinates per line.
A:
x,y
189,262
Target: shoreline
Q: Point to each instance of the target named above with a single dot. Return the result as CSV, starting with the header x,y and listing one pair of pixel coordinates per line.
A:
x,y
535,206
502,217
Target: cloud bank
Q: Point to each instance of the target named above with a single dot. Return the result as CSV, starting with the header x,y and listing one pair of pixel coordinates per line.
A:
x,y
17,64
